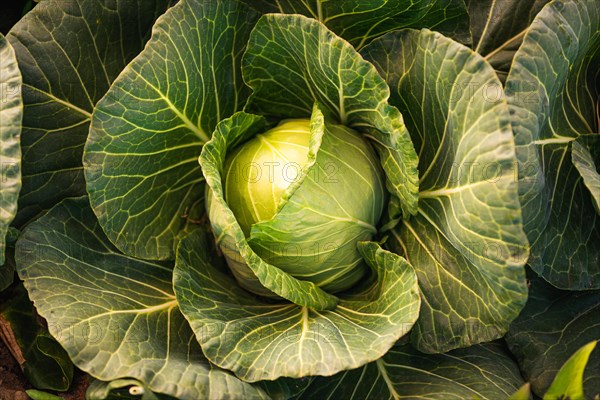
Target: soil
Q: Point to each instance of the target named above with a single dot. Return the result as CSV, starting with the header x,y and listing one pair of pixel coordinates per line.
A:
x,y
13,383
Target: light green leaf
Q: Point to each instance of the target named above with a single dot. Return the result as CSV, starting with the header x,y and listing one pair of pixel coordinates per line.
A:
x,y
524,393
44,362
69,52
39,395
116,316
552,98
293,61
478,372
11,114
251,271
140,159
466,242
582,155
258,339
568,383
498,28
359,21
553,325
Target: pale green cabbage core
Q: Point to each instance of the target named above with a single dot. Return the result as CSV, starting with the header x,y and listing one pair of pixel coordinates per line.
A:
x,y
258,172
311,232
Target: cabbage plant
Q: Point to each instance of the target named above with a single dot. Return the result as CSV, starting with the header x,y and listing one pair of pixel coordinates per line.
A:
x,y
258,199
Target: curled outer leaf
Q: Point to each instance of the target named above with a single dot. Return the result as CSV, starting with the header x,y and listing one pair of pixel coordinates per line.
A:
x,y
292,62
140,158
552,91
258,339
466,242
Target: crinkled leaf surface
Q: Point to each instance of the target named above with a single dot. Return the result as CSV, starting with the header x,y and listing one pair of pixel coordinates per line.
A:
x,y
258,339
552,93
141,158
44,362
466,242
251,271
553,325
585,155
478,372
568,383
11,114
498,28
293,61
115,315
359,21
69,52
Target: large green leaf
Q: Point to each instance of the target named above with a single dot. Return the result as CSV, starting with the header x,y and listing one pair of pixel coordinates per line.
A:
x,y
568,383
552,92
11,114
115,315
293,61
478,372
141,166
44,362
466,243
259,339
498,28
553,325
69,52
359,21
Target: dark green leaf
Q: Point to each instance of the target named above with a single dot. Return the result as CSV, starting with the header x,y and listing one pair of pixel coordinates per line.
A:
x,y
11,114
498,28
115,315
69,52
552,91
293,62
478,372
466,242
44,362
553,325
259,339
141,158
359,21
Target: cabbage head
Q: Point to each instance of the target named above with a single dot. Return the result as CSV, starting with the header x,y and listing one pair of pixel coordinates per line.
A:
x,y
306,218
